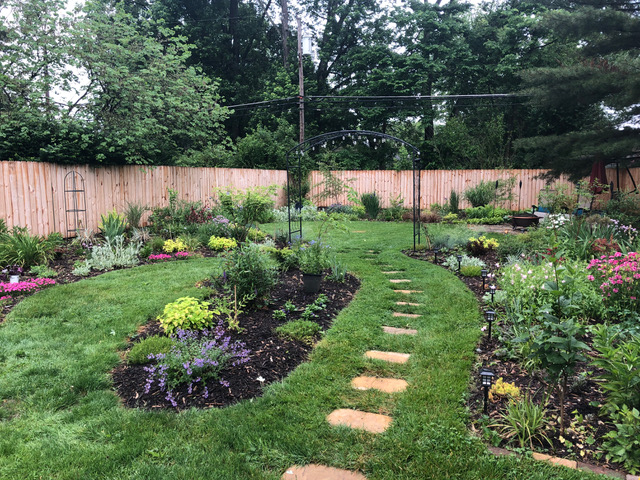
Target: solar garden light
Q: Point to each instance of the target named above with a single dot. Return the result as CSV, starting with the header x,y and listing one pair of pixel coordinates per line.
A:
x,y
484,274
435,254
486,379
492,290
459,257
490,316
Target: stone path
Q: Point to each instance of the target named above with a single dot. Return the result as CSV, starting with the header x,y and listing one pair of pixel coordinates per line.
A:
x,y
319,472
399,331
388,385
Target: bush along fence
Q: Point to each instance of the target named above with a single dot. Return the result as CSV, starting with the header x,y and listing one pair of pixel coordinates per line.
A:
x,y
40,196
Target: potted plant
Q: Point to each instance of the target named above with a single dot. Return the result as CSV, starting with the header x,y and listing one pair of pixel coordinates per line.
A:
x,y
313,261
14,272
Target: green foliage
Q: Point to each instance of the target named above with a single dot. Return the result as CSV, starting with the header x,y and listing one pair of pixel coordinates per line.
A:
x,y
625,206
218,227
3,226
43,271
25,250
525,422
177,245
558,198
220,243
251,271
487,211
230,308
338,270
133,214
256,235
623,444
248,207
186,313
454,202
481,245
466,261
112,225
371,204
444,236
470,271
313,257
157,243
487,192
113,253
302,330
139,353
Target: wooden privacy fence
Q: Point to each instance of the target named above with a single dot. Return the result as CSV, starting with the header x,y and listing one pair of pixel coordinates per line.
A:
x,y
33,194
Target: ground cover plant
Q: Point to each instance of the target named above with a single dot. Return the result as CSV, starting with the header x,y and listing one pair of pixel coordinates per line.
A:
x,y
60,417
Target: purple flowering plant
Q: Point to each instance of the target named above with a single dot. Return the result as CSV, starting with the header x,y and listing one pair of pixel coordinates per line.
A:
x,y
195,358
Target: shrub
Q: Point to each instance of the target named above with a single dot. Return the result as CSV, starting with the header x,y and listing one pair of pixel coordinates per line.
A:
x,y
487,211
114,253
302,330
139,353
623,444
112,225
170,246
156,244
618,277
481,245
251,271
503,389
256,235
133,214
371,204
481,194
195,358
558,199
252,206
445,236
454,202
217,226
219,244
21,248
186,313
625,206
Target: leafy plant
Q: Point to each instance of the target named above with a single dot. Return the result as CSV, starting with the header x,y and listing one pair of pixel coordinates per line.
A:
x,y
623,444
504,389
21,248
313,257
279,315
112,225
481,194
195,358
140,235
114,253
251,271
338,270
222,305
525,422
454,202
471,271
177,245
133,214
139,353
481,245
302,330
619,279
43,271
466,261
221,244
371,204
248,207
186,313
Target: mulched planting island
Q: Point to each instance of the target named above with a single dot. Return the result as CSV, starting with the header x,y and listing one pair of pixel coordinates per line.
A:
x,y
271,359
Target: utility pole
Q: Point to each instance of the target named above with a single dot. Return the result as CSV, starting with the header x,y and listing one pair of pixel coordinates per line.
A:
x,y
285,33
300,80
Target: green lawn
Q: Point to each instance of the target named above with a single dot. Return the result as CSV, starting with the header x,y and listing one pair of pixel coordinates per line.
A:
x,y
60,419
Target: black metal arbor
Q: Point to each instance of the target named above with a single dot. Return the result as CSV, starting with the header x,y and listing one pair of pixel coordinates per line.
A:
x,y
294,172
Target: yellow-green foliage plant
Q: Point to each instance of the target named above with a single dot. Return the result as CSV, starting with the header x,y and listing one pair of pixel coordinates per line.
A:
x,y
219,244
174,246
481,245
504,389
186,313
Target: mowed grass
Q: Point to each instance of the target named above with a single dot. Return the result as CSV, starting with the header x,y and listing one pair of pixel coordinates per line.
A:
x,y
60,419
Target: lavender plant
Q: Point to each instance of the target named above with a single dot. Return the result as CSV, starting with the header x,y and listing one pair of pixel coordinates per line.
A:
x,y
195,358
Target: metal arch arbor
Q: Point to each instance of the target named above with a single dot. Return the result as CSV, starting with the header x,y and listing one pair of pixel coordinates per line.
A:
x,y
294,172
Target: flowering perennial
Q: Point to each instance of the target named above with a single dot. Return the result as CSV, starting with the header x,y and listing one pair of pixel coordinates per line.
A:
x,y
619,278
159,257
25,287
195,358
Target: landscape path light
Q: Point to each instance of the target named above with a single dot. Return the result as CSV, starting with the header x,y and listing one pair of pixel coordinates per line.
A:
x,y
486,379
435,254
490,315
492,290
459,257
484,274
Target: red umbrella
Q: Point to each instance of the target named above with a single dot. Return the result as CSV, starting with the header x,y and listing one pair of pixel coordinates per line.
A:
x,y
598,177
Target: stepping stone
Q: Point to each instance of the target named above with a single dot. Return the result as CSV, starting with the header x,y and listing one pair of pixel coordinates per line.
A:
x,y
400,280
370,422
389,385
555,460
358,231
409,303
393,357
320,472
408,291
390,272
406,315
400,331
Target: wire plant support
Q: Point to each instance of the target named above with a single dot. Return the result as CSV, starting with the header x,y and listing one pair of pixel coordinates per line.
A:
x,y
75,203
294,173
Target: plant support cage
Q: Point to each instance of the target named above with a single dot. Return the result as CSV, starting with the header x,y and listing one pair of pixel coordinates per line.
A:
x,y
294,172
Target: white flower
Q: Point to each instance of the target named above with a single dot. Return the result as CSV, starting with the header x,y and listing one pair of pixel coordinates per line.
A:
x,y
260,379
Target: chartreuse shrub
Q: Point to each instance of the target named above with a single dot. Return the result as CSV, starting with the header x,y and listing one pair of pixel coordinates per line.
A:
x,y
504,389
171,245
139,353
220,244
185,313
481,245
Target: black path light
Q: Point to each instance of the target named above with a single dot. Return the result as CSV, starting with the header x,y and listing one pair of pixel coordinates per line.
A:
x,y
484,274
490,315
486,379
492,290
459,257
435,254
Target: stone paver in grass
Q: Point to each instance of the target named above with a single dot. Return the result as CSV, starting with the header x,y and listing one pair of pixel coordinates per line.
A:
x,y
555,460
400,280
406,315
393,357
400,331
370,422
408,291
388,385
358,231
389,272
320,472
409,303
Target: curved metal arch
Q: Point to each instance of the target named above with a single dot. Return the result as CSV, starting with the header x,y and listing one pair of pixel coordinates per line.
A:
x,y
307,145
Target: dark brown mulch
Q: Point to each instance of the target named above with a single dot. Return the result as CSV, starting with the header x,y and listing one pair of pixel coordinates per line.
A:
x,y
582,418
272,357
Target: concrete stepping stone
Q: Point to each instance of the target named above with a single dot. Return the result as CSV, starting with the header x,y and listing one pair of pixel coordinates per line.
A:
x,y
400,331
408,291
370,422
388,385
392,357
409,303
390,272
320,472
400,280
406,315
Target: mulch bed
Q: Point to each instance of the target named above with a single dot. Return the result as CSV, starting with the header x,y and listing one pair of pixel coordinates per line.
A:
x,y
272,357
584,394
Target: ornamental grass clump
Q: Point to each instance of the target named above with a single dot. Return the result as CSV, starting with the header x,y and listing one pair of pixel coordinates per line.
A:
x,y
619,279
194,359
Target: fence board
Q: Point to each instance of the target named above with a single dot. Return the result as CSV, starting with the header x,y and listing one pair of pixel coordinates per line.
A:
x,y
33,193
